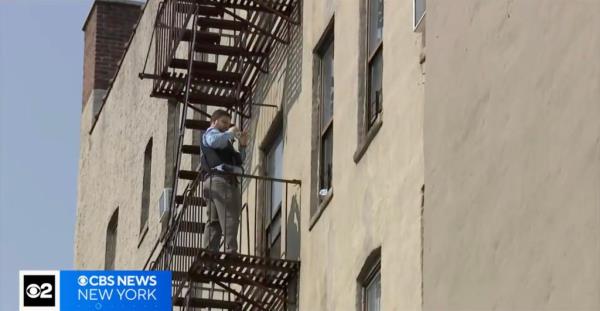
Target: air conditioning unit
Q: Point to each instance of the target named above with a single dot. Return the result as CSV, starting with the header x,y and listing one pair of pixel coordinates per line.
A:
x,y
163,207
419,7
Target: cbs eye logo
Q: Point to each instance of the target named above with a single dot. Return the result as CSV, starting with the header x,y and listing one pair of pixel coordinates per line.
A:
x,y
39,291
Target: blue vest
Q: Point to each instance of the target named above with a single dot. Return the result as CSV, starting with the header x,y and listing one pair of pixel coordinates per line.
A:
x,y
212,157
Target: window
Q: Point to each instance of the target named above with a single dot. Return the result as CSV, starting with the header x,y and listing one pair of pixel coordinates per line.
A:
x,y
322,124
369,281
326,118
370,75
111,241
372,293
374,61
274,168
146,181
418,12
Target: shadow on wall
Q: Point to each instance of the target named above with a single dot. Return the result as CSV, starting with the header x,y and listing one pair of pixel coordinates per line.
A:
x,y
293,230
285,63
293,226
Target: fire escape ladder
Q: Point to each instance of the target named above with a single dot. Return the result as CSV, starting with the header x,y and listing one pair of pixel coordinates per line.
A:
x,y
212,53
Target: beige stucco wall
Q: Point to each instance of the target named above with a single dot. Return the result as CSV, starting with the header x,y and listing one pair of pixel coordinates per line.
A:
x,y
112,159
377,201
512,155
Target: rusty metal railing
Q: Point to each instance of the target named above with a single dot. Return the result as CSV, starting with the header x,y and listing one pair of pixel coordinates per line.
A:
x,y
173,18
268,226
266,23
262,199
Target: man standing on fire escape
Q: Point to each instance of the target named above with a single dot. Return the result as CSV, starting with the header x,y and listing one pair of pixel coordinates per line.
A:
x,y
221,189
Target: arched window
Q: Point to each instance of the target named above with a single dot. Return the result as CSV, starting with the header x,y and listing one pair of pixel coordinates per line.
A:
x,y
146,182
369,281
111,241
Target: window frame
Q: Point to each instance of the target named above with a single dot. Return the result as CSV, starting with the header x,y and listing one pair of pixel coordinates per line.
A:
x,y
274,136
371,56
278,138
369,271
270,245
322,50
321,128
112,234
373,274
368,127
418,20
369,119
146,189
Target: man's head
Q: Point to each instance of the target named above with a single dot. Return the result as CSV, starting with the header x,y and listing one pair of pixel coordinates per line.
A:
x,y
220,120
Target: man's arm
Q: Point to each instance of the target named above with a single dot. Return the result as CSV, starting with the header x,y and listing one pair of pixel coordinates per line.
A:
x,y
213,138
243,144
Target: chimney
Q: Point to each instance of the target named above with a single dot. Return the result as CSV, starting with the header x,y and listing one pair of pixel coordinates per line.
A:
x,y
107,29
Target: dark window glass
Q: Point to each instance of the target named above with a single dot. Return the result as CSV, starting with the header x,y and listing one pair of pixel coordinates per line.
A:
x,y
274,168
372,293
326,124
326,160
375,25
375,60
146,181
111,241
327,86
274,237
369,280
375,87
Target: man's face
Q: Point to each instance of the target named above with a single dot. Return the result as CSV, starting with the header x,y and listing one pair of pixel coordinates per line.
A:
x,y
222,123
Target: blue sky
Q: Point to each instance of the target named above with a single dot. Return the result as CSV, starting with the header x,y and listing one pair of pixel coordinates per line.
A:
x,y
41,60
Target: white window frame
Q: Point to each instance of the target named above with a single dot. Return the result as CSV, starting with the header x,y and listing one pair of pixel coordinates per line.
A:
x,y
274,217
418,20
374,273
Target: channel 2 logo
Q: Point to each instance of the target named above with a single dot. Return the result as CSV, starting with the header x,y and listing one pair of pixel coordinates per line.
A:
x,y
39,289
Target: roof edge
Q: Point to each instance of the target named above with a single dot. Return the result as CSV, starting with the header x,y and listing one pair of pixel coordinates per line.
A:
x,y
122,2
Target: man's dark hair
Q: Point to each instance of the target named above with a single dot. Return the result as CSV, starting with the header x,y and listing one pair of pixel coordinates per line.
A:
x,y
219,113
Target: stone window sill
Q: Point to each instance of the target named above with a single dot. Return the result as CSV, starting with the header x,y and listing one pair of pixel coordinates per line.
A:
x,y
364,145
315,217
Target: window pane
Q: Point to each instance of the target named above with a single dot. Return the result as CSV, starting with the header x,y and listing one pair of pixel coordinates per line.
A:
x,y
327,85
146,185
373,293
419,10
375,24
111,242
275,249
274,231
275,169
375,87
326,160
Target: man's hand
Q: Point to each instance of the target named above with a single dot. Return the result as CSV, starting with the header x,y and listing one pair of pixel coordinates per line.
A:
x,y
243,139
241,136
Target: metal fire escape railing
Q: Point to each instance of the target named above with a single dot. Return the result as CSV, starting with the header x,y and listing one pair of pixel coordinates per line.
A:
x,y
247,280
216,72
211,53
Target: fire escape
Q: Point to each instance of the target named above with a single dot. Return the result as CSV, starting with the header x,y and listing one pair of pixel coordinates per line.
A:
x,y
212,53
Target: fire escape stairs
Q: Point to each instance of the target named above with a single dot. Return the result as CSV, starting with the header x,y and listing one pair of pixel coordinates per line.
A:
x,y
207,303
222,56
262,281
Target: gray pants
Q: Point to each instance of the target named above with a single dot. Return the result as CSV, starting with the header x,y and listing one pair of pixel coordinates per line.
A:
x,y
224,205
